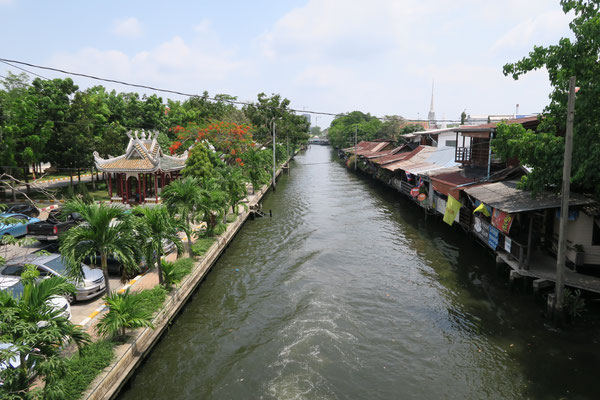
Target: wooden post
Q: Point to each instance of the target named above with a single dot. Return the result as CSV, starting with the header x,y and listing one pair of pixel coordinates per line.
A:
x,y
564,208
529,241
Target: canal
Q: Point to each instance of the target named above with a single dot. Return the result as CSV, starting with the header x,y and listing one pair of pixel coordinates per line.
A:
x,y
347,292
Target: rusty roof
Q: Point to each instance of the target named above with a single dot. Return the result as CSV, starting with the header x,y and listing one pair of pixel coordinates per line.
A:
x,y
387,159
506,197
528,122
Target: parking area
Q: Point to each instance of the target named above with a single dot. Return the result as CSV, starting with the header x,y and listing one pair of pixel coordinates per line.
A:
x,y
84,312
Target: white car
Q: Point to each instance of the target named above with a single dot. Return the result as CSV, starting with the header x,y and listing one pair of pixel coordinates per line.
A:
x,y
92,284
15,288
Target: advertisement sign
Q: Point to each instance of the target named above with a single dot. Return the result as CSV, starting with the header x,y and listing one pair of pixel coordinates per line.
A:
x,y
414,192
502,220
507,244
493,237
422,197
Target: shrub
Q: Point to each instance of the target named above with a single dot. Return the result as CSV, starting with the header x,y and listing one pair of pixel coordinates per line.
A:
x,y
174,272
151,299
126,311
81,369
201,246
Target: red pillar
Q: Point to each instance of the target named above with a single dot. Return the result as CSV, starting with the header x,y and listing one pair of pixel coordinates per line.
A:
x,y
140,187
156,186
144,191
109,187
123,194
127,189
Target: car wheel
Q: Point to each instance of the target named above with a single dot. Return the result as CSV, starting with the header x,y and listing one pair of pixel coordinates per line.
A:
x,y
70,297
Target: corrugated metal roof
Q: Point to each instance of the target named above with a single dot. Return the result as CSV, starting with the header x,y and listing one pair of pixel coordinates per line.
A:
x,y
392,158
428,159
506,197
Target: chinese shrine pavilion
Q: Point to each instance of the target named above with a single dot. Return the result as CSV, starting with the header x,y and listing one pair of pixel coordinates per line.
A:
x,y
139,175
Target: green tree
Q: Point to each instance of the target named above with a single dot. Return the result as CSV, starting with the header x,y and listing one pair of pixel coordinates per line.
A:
x,y
569,57
154,227
106,231
213,200
256,167
198,163
182,198
37,331
342,129
262,114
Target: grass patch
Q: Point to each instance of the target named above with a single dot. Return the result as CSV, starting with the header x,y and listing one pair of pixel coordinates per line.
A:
x,y
231,218
82,369
151,299
174,272
201,246
219,229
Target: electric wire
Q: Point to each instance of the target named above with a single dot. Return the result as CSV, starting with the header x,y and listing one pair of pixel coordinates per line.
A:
x,y
177,92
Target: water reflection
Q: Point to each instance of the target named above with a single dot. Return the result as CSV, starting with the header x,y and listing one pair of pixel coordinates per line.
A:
x,y
347,292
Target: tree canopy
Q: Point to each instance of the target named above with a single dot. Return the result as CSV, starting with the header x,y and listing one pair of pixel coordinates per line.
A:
x,y
543,150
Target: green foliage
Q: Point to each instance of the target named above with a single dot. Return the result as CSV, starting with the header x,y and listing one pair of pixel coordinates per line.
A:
x,y
126,311
174,272
37,331
153,227
342,130
569,57
574,304
199,162
151,299
80,370
107,231
182,198
257,165
202,244
540,151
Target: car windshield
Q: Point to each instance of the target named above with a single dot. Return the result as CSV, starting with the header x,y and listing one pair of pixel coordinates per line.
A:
x,y
13,270
57,265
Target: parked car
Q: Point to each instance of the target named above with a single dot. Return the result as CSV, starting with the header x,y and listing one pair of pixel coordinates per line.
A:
x,y
27,209
16,288
17,228
92,284
53,226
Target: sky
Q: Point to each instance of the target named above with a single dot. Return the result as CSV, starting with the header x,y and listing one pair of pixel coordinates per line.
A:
x,y
376,56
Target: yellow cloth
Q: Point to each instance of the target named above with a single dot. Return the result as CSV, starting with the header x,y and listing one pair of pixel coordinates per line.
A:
x,y
482,209
452,208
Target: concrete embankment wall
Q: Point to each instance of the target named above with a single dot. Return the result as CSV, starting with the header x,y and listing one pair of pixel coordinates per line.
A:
x,y
128,356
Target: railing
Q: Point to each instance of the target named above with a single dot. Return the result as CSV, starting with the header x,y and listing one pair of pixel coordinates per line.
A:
x,y
517,252
462,154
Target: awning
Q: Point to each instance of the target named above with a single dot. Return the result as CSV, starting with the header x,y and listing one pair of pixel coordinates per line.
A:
x,y
506,197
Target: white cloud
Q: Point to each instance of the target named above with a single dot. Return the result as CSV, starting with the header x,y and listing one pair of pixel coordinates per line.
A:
x,y
128,28
173,64
537,29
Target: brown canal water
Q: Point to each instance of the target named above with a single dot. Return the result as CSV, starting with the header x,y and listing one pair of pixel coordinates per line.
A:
x,y
349,293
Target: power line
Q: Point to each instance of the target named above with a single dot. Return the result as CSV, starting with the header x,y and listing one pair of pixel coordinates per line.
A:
x,y
177,92
24,70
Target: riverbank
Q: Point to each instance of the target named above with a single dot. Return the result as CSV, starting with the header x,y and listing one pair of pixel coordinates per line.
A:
x,y
129,355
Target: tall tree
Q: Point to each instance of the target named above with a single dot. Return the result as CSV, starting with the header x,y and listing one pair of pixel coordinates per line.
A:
x,y
154,226
182,198
106,231
342,129
543,150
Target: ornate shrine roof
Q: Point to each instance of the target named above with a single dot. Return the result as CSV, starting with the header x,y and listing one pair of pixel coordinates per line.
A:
x,y
143,154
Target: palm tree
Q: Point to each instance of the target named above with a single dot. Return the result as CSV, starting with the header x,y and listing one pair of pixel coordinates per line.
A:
x,y
154,226
106,231
36,331
256,167
125,312
212,198
182,199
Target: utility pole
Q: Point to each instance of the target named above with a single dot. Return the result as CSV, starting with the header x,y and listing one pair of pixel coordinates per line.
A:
x,y
274,158
355,146
287,138
564,208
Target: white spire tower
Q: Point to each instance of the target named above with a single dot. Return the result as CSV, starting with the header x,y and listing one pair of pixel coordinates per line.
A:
x,y
431,115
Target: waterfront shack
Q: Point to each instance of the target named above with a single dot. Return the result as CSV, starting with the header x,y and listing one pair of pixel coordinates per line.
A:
x,y
523,230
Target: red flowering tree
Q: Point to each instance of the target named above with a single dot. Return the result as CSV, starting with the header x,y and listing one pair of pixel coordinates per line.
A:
x,y
228,138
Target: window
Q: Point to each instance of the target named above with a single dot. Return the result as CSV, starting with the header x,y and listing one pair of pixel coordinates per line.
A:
x,y
13,270
450,143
